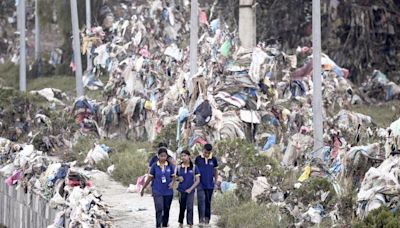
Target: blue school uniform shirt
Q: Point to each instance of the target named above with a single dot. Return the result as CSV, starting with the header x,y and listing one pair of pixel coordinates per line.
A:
x,y
206,168
188,174
157,171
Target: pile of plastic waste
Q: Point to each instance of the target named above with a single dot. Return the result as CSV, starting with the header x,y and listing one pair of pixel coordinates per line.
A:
x,y
66,187
262,96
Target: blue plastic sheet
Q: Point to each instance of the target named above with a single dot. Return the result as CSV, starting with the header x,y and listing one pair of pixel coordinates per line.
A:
x,y
214,25
271,141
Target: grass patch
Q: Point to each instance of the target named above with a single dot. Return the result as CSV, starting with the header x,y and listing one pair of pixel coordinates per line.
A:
x,y
129,158
223,201
81,149
62,82
9,75
252,215
383,114
65,83
9,78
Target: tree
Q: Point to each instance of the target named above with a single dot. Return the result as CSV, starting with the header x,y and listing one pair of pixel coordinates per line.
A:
x,y
62,10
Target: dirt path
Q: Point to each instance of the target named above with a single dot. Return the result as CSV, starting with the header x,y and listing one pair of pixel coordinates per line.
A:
x,y
131,210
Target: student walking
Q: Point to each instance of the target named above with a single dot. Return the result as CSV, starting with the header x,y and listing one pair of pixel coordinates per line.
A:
x,y
188,178
208,168
162,178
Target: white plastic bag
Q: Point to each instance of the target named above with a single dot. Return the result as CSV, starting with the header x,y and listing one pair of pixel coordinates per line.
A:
x,y
259,186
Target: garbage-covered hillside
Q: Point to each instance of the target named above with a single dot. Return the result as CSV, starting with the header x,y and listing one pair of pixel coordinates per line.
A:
x,y
360,35
254,105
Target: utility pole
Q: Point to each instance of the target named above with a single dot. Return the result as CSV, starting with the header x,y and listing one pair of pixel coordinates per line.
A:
x,y
18,20
194,39
22,45
76,46
247,24
194,36
37,32
317,94
88,28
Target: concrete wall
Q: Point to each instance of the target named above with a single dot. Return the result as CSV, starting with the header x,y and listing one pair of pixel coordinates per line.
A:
x,y
20,210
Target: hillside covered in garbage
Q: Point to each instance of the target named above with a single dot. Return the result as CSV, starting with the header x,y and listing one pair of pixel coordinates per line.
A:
x,y
253,105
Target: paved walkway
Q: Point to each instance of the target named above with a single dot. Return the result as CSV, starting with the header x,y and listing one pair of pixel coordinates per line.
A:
x,y
131,210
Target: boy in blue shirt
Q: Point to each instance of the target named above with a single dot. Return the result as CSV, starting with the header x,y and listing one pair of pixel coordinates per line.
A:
x,y
208,167
188,177
162,178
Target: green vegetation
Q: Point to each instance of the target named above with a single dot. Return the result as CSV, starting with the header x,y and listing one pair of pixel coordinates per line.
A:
x,y
63,12
224,201
130,158
381,217
251,215
244,161
312,188
383,114
15,104
168,135
236,208
66,83
346,200
9,75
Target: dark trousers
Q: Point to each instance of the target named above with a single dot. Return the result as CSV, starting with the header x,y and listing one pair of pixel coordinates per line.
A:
x,y
204,197
186,203
162,205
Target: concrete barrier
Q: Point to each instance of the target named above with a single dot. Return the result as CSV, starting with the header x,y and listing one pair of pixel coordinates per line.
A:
x,y
20,210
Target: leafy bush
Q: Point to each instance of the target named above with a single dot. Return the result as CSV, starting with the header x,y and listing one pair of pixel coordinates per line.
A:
x,y
381,217
168,135
311,190
244,162
14,106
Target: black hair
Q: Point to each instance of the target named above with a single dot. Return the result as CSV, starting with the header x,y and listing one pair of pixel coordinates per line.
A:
x,y
162,144
188,154
208,147
162,150
185,152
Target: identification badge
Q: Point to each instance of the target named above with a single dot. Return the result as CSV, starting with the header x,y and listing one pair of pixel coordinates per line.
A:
x,y
163,179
